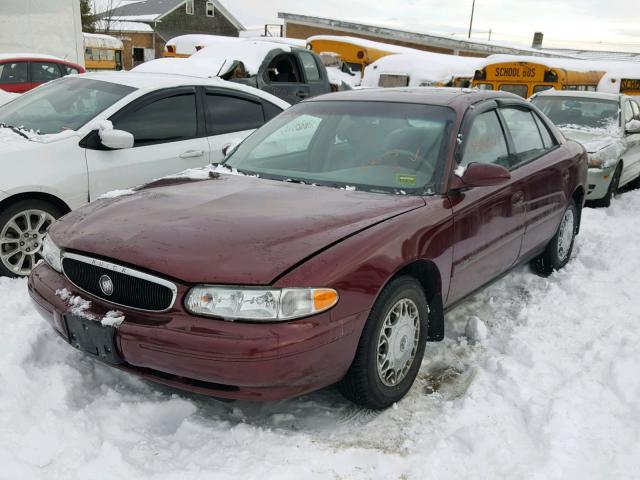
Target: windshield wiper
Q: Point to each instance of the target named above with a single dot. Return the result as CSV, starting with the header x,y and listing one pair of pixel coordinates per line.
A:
x,y
14,129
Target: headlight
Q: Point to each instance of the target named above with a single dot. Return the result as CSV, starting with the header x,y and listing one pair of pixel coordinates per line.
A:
x,y
259,304
52,254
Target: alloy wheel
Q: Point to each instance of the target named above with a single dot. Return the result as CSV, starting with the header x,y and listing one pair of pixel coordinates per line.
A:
x,y
565,238
21,240
398,342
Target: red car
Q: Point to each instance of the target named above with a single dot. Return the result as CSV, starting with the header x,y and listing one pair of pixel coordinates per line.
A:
x,y
22,72
361,218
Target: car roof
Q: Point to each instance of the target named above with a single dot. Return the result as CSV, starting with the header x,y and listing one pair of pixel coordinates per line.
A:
x,y
22,56
583,94
156,81
444,96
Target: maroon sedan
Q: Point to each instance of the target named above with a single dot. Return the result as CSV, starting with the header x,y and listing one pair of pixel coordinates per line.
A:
x,y
325,249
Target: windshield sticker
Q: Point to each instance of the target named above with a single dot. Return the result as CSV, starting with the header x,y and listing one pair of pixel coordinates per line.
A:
x,y
404,179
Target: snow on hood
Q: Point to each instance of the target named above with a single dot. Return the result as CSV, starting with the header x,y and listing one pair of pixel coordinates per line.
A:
x,y
9,136
600,143
423,68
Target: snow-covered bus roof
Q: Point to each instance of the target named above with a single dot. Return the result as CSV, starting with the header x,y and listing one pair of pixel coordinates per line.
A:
x,y
421,68
364,43
98,40
572,64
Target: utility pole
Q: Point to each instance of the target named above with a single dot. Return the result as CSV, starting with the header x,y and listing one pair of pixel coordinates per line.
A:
x,y
473,6
490,34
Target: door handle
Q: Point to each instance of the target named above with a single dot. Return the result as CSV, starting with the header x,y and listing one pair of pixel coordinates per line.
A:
x,y
192,154
301,94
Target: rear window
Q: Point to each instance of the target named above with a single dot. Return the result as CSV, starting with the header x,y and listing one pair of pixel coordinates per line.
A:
x,y
13,72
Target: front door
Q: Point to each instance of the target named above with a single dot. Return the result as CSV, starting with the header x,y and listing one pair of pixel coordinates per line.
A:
x,y
168,139
488,221
283,78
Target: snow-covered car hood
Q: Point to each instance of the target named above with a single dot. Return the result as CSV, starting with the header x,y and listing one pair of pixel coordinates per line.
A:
x,y
593,140
19,140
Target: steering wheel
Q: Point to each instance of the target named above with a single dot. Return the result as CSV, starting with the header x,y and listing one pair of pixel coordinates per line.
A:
x,y
404,157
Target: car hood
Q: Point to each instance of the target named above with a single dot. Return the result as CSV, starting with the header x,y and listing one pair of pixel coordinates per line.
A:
x,y
11,141
227,230
593,140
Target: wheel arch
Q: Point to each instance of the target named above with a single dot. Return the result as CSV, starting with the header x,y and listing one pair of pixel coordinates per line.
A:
x,y
46,197
428,274
578,197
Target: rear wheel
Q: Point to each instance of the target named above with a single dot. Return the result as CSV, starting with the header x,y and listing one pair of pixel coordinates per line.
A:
x,y
558,251
391,347
22,228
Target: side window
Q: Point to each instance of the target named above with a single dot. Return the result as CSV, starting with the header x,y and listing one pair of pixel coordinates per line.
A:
x,y
628,112
527,141
485,141
227,114
310,67
636,110
13,72
271,111
547,139
284,69
42,72
69,70
168,119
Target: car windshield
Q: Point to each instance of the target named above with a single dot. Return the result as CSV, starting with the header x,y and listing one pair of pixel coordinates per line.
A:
x,y
374,146
579,112
65,104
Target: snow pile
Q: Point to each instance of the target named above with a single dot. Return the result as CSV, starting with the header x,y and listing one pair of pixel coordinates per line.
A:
x,y
548,391
423,68
338,77
362,42
98,40
113,318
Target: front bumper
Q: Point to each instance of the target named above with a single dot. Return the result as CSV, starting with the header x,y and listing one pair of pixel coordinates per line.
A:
x,y
598,181
222,359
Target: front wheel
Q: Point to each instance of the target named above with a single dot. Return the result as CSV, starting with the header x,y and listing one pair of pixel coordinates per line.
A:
x,y
391,347
558,251
23,225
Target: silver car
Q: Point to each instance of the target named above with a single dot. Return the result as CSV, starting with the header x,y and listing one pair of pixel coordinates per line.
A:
x,y
608,125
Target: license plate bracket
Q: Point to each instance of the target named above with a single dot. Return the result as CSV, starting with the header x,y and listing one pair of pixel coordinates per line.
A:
x,y
93,338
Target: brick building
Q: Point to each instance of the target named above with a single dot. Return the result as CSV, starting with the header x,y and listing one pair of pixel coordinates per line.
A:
x,y
145,27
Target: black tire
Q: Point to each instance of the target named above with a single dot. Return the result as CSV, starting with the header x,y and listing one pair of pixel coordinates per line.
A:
x,y
363,384
9,212
611,191
556,256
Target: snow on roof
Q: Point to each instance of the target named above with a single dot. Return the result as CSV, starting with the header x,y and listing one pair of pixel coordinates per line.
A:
x,y
422,68
293,42
116,25
556,62
8,56
186,44
361,42
101,41
182,66
251,53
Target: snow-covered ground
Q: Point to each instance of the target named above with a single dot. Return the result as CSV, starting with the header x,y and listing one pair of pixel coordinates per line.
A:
x,y
537,378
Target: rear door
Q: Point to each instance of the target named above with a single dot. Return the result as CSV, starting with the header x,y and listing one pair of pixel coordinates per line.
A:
x,y
488,221
169,137
231,116
284,79
314,73
43,72
539,169
14,76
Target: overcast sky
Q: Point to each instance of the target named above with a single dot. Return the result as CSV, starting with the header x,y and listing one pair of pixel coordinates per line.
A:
x,y
562,21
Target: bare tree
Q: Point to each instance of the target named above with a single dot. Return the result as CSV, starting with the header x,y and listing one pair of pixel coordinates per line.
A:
x,y
105,18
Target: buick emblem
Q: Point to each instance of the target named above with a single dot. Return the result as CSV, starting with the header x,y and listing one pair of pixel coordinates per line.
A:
x,y
106,285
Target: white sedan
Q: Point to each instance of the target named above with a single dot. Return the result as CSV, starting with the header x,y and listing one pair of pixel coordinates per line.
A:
x,y
68,142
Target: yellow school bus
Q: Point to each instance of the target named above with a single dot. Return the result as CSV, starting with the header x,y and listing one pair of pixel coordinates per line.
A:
x,y
357,53
102,52
626,81
526,76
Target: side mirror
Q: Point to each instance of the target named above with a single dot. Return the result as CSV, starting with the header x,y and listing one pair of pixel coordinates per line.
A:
x,y
116,139
230,147
632,127
480,175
